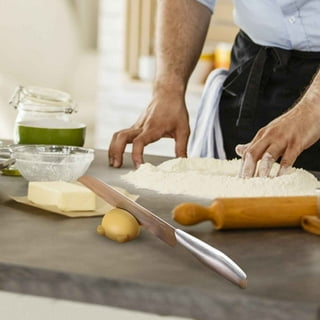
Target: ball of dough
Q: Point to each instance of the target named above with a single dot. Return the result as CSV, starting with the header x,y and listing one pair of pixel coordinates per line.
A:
x,y
119,225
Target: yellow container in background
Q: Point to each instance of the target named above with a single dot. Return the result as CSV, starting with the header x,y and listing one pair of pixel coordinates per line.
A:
x,y
222,55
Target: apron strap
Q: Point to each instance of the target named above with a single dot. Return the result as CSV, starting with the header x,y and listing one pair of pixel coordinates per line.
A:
x,y
249,75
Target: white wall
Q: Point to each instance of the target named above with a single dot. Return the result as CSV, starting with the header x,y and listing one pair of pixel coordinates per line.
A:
x,y
43,43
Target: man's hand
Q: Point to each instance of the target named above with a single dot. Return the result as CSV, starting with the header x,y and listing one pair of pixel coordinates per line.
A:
x,y
166,116
180,33
286,137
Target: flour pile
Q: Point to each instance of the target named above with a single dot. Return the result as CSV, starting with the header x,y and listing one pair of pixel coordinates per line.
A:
x,y
211,178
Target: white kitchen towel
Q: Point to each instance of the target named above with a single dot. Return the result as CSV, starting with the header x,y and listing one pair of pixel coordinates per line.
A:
x,y
206,138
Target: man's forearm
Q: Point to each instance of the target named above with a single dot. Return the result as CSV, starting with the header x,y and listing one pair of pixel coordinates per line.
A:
x,y
181,29
311,97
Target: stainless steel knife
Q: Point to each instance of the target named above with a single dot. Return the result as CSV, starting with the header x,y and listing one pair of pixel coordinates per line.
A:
x,y
208,255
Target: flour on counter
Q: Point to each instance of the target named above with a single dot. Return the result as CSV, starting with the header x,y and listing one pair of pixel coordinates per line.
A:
x,y
211,178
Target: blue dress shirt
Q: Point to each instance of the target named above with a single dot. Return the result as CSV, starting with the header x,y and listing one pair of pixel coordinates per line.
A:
x,y
287,24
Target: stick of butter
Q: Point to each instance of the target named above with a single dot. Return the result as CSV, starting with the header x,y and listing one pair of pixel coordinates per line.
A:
x,y
64,195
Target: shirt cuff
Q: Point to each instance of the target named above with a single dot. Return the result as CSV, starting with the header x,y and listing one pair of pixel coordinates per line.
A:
x,y
210,4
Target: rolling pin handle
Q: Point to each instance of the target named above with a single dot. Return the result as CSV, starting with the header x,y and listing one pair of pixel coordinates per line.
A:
x,y
192,213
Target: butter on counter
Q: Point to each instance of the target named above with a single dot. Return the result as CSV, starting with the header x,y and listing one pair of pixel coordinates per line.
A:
x,y
65,196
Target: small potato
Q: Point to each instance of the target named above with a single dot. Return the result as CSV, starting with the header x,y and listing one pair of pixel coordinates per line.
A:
x,y
119,225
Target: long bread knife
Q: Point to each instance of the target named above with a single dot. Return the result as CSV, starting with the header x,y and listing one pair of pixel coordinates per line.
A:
x,y
208,255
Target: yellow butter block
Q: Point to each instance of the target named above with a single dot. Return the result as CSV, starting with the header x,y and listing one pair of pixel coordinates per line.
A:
x,y
65,196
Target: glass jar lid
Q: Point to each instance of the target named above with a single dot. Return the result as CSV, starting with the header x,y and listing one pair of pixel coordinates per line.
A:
x,y
40,97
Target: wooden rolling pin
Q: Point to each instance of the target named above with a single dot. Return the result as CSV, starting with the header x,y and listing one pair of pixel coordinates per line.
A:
x,y
311,224
234,213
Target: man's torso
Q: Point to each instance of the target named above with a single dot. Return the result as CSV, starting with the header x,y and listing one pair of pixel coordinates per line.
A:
x,y
287,24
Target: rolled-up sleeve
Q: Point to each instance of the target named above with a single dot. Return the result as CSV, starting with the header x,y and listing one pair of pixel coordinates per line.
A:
x,y
210,4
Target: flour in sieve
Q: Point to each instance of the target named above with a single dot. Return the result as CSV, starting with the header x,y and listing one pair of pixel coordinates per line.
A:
x,y
210,178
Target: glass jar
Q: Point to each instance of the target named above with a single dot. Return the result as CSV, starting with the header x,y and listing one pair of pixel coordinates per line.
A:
x,y
44,117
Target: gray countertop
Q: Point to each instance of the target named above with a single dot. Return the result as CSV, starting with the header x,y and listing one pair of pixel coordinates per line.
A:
x,y
45,254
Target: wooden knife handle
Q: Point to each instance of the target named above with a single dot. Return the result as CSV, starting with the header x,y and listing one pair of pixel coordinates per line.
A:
x,y
255,212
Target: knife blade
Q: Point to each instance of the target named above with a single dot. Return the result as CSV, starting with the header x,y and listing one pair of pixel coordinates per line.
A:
x,y
211,257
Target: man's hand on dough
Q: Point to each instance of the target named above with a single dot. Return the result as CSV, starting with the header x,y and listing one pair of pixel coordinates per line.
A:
x,y
165,117
286,137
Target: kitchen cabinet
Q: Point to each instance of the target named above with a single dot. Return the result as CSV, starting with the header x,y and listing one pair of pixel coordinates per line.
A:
x,y
140,27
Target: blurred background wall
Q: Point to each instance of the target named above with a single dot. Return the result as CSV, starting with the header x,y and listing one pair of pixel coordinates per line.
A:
x,y
101,52
49,43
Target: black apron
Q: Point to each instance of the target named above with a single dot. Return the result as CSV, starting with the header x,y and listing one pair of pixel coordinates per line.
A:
x,y
263,83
